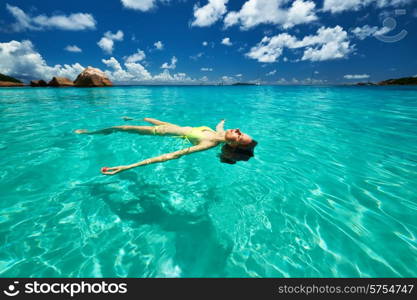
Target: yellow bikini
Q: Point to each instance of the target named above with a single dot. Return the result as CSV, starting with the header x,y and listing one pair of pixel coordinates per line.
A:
x,y
194,136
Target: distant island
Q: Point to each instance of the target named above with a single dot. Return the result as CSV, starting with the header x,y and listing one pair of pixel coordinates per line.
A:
x,y
92,77
398,81
244,83
8,81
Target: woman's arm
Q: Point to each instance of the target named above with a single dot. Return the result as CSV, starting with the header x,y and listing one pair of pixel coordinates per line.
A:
x,y
220,126
161,158
157,122
149,120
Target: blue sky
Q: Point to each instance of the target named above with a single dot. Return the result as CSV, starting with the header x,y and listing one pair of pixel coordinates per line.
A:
x,y
208,41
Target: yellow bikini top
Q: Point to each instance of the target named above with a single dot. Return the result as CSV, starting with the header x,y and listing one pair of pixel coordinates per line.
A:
x,y
196,134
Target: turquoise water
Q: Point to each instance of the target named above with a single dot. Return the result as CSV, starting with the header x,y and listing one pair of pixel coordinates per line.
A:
x,y
330,193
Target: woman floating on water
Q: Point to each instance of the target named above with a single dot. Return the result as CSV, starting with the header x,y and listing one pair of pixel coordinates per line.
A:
x,y
238,145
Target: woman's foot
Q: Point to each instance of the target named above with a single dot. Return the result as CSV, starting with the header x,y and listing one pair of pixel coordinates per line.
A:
x,y
80,131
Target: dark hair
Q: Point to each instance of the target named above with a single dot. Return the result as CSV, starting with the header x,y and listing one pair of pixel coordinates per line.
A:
x,y
231,155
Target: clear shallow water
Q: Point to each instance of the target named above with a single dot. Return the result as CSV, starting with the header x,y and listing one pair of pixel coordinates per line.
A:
x,y
331,191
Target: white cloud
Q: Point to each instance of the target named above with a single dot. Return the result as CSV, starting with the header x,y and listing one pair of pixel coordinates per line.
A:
x,y
367,31
73,48
205,43
255,12
301,12
106,44
206,69
273,72
21,60
307,81
117,73
360,76
73,22
159,45
138,56
137,70
134,73
209,13
238,75
226,41
112,63
173,64
166,77
328,43
332,43
107,41
270,49
341,5
228,79
197,56
336,6
23,21
118,36
142,5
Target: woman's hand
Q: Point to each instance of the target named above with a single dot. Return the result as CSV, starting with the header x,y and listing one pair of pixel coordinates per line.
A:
x,y
113,170
220,126
80,131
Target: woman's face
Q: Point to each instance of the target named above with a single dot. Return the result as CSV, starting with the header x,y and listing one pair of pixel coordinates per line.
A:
x,y
236,137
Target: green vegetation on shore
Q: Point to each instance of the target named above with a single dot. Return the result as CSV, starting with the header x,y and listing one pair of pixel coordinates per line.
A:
x,y
9,79
400,81
397,81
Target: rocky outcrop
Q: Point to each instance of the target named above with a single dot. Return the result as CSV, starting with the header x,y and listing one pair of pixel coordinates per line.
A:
x,y
60,82
92,77
10,84
38,83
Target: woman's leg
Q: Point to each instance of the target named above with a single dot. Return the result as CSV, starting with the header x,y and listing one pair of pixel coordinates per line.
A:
x,y
167,130
146,130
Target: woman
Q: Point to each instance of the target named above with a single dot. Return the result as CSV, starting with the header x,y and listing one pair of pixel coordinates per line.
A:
x,y
202,138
